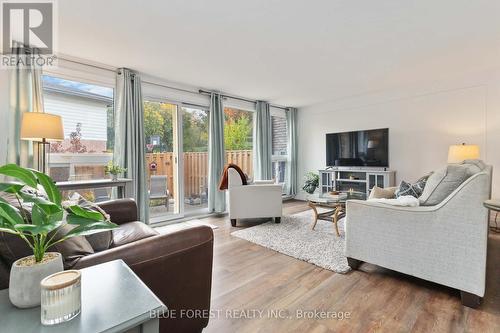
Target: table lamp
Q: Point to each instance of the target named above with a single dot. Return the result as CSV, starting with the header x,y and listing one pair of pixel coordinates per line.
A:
x,y
40,127
459,153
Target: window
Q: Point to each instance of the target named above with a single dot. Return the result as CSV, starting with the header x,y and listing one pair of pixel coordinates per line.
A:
x,y
87,114
238,138
279,146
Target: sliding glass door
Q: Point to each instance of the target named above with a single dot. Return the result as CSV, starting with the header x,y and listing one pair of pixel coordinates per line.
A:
x,y
177,159
195,160
162,163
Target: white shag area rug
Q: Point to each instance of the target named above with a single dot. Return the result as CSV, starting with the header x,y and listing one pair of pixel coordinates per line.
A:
x,y
294,237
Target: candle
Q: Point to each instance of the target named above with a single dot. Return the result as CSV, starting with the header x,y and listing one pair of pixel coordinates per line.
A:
x,y
61,297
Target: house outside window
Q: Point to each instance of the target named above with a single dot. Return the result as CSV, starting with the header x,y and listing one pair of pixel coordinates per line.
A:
x,y
87,114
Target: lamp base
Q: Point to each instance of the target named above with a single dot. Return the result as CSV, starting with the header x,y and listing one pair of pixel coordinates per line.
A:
x,y
43,149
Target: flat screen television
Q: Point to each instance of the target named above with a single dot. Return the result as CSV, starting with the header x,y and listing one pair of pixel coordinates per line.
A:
x,y
368,148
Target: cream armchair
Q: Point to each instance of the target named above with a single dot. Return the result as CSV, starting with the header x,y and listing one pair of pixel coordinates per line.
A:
x,y
445,243
256,200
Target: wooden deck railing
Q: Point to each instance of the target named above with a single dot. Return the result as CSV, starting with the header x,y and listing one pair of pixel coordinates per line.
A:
x,y
195,168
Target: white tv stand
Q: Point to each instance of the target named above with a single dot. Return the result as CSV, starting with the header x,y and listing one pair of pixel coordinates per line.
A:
x,y
355,179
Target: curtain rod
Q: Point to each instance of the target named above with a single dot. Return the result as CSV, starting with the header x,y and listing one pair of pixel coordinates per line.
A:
x,y
205,92
201,91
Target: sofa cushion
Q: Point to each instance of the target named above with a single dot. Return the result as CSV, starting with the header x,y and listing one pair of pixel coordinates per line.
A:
x,y
382,193
12,247
443,182
72,249
100,241
131,232
474,166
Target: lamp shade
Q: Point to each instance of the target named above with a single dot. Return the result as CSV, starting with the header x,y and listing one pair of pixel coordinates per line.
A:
x,y
38,125
459,153
372,144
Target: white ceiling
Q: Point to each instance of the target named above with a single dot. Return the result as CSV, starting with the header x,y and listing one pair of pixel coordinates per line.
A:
x,y
290,52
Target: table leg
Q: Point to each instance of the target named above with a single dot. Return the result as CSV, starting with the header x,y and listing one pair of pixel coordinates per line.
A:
x,y
315,211
336,219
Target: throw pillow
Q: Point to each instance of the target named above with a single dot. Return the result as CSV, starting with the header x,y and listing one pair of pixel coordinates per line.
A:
x,y
415,190
478,163
72,249
382,193
99,241
443,182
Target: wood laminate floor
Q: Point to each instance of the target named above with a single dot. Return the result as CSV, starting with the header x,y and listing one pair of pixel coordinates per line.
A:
x,y
248,278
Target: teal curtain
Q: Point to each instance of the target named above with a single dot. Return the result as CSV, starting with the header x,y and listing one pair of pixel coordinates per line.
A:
x,y
130,145
216,160
262,142
291,165
25,96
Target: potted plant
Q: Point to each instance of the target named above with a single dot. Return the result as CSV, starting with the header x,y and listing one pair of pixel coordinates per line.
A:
x,y
114,170
311,182
41,230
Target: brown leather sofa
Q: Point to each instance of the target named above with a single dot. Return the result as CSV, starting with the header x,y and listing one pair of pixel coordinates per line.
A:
x,y
176,266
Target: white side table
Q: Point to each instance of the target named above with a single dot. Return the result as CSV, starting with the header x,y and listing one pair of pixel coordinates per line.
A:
x,y
114,299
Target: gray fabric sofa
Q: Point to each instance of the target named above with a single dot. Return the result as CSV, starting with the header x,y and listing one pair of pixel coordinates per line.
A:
x,y
445,243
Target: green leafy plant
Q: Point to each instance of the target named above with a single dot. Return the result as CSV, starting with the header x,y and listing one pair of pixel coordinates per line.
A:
x,y
47,213
311,182
114,169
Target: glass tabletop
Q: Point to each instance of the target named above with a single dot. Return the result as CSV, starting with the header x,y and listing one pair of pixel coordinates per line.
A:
x,y
326,198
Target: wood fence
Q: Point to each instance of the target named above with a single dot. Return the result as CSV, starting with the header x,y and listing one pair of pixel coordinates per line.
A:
x,y
195,168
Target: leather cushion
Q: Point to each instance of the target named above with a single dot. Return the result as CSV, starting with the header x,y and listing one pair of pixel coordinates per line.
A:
x,y
72,249
100,241
131,232
12,247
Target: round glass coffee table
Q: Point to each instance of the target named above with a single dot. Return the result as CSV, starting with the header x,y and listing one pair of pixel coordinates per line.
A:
x,y
334,205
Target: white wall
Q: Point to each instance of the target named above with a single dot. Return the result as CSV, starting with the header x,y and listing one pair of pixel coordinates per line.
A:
x,y
422,124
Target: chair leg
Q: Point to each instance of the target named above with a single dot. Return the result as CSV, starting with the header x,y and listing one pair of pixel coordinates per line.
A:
x,y
277,220
233,222
470,300
353,263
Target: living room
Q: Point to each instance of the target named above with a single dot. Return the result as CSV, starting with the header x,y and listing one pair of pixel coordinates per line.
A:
x,y
249,166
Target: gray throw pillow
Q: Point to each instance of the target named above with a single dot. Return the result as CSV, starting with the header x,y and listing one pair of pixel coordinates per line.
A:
x,y
443,182
99,241
415,190
474,166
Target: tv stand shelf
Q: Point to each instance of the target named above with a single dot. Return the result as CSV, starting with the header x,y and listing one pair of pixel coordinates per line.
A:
x,y
352,180
363,179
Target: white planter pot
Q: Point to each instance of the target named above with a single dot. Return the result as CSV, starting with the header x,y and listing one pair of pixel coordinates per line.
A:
x,y
24,284
113,177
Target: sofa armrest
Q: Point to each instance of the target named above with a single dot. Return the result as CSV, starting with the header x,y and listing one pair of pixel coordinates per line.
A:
x,y
120,210
368,204
176,266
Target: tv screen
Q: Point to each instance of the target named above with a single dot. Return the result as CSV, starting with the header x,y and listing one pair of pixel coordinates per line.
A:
x,y
360,148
